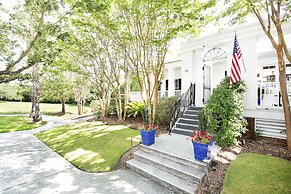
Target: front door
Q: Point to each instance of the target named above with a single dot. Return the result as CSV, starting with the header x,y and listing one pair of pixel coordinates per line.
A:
x,y
206,82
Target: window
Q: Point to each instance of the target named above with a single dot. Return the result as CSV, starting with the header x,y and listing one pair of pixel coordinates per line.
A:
x,y
178,84
159,85
167,84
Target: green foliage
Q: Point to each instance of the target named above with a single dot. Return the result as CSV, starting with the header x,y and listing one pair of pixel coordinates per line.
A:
x,y
10,92
56,88
96,108
224,110
146,113
134,87
135,109
203,123
164,109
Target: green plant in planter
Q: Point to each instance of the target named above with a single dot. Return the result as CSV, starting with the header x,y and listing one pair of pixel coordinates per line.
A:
x,y
135,109
149,131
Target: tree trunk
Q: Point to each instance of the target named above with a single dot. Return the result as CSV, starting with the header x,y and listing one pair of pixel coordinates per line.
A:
x,y
155,100
126,93
79,108
284,93
63,107
35,109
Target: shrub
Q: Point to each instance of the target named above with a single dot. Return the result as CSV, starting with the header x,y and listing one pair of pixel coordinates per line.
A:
x,y
164,109
224,112
96,108
135,109
203,124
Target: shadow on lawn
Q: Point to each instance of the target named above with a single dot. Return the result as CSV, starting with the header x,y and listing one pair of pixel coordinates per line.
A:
x,y
92,147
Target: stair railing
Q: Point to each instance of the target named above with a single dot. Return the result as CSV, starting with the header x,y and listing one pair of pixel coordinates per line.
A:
x,y
179,107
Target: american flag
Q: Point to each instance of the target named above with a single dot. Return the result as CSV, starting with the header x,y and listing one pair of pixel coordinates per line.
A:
x,y
235,75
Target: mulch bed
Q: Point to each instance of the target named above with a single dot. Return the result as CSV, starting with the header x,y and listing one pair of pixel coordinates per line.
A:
x,y
213,182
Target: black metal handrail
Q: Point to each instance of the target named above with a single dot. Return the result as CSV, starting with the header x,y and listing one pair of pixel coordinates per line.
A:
x,y
178,108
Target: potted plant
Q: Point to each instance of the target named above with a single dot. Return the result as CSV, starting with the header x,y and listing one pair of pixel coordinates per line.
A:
x,y
149,131
201,142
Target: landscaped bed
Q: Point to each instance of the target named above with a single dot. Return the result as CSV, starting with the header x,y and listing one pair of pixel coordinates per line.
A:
x,y
91,146
17,123
275,149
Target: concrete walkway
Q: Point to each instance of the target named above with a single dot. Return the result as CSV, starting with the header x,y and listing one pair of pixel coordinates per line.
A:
x,y
28,166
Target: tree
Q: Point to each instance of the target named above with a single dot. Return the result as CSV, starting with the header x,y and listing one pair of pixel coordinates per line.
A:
x,y
81,92
22,32
143,30
57,87
271,14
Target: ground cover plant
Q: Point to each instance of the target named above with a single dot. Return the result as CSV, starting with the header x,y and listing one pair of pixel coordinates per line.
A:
x,y
16,123
256,173
91,146
46,108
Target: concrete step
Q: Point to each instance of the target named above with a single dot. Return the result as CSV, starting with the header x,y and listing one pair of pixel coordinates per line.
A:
x,y
203,166
185,132
187,116
192,112
185,172
175,184
188,121
194,108
187,126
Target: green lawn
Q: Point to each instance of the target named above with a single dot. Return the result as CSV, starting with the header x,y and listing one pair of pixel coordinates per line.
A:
x,y
256,173
90,146
15,123
46,108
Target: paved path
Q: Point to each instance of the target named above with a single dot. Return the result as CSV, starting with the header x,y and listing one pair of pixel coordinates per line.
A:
x,y
28,166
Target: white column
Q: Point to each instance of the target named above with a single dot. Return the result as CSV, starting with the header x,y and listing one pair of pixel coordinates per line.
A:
x,y
171,78
249,51
198,75
186,70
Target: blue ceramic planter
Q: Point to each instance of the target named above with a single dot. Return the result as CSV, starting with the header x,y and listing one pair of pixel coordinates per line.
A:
x,y
147,137
200,150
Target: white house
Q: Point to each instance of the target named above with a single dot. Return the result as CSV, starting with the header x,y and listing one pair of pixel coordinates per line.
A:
x,y
206,60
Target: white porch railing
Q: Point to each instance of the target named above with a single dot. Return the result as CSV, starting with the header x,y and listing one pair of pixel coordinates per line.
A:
x,y
161,94
269,96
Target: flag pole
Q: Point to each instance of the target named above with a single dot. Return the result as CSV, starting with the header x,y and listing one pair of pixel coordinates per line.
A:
x,y
242,58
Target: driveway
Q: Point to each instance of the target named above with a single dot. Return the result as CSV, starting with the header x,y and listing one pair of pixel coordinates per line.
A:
x,y
28,166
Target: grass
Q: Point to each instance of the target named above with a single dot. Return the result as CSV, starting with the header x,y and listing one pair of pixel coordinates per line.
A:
x,y
90,146
15,123
256,173
46,108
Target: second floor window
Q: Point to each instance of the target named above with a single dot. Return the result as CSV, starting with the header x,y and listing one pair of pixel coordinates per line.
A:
x,y
167,84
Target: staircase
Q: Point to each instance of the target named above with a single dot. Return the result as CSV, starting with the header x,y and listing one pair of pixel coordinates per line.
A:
x,y
178,174
271,128
188,121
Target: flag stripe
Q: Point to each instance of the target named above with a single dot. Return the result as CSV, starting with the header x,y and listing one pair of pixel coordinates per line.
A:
x,y
235,75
